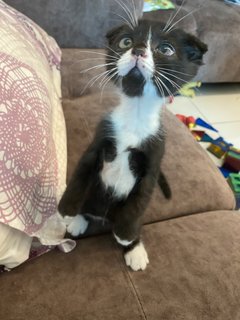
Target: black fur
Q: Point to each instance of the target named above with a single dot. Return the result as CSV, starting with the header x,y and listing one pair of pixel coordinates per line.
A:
x,y
86,193
189,53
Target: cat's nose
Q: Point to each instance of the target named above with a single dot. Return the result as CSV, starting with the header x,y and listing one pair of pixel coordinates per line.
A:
x,y
139,51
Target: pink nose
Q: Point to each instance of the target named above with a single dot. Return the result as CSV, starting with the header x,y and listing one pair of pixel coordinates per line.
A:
x,y
139,51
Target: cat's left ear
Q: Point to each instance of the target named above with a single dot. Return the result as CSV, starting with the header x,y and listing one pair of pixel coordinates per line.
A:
x,y
195,49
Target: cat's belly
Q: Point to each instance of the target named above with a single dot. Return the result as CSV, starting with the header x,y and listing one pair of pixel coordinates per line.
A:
x,y
118,175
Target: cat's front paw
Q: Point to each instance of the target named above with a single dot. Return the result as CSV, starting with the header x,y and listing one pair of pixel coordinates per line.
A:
x,y
137,258
76,225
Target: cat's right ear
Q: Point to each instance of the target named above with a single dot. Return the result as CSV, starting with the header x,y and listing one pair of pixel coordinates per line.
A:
x,y
112,34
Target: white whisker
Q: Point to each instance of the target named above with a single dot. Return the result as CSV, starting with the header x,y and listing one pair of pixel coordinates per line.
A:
x,y
160,89
186,15
168,90
135,13
169,22
100,53
113,51
130,13
107,75
98,66
186,74
94,79
165,72
126,10
106,82
124,19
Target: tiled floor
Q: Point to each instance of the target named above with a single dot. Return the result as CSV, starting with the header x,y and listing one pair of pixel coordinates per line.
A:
x,y
218,104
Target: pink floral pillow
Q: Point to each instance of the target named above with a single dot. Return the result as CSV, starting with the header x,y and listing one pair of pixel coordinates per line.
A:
x,y
32,129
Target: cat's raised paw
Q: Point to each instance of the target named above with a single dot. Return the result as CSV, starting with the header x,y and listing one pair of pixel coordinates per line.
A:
x,y
76,225
137,258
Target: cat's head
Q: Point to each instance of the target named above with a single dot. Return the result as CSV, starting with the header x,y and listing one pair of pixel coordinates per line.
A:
x,y
147,53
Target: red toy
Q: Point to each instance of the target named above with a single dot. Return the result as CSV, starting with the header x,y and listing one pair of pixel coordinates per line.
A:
x,y
188,121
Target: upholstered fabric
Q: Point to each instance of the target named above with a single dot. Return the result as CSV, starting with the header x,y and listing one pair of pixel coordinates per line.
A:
x,y
193,274
78,23
32,130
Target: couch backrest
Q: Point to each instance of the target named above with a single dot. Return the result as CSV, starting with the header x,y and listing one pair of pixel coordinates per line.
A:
x,y
77,23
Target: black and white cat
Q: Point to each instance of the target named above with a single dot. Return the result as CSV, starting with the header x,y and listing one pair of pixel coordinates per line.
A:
x,y
116,175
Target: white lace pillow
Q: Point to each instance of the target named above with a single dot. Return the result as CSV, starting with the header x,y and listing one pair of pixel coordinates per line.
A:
x,y
32,129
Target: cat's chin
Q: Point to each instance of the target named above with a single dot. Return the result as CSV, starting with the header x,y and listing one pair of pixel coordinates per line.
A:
x,y
135,73
133,82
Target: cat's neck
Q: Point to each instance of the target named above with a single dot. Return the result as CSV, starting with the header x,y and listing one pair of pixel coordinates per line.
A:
x,y
137,118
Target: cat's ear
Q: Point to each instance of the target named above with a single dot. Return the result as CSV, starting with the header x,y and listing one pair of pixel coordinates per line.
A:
x,y
112,34
195,49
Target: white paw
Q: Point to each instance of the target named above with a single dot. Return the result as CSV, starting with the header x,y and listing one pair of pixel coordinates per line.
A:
x,y
137,258
76,225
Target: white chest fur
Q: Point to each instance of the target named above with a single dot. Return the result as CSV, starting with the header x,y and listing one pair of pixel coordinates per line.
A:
x,y
134,120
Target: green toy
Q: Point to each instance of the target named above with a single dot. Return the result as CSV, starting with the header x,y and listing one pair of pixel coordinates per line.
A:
x,y
234,181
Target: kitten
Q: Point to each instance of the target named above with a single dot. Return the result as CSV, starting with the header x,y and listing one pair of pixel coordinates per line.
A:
x,y
116,176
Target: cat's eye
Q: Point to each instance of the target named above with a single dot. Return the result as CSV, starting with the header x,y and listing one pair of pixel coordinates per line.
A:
x,y
125,43
166,48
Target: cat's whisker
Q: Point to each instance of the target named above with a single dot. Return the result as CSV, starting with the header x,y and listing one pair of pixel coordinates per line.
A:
x,y
172,75
184,17
135,13
106,78
107,75
106,82
124,20
179,88
91,82
89,59
158,84
127,11
113,51
130,13
99,53
168,22
186,74
169,64
98,66
173,83
167,89
169,80
174,16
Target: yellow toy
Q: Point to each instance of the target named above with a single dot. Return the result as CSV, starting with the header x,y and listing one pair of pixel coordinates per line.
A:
x,y
187,89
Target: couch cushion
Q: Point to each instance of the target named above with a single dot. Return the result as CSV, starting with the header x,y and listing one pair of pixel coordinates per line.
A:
x,y
193,274
89,283
194,268
196,183
78,69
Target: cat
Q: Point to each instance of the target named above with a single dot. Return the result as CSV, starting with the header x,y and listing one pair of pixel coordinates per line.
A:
x,y
116,175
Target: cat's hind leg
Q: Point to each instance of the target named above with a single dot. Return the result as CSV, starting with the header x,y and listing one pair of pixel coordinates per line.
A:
x,y
127,233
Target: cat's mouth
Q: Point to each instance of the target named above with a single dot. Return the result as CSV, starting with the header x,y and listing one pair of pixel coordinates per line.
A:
x,y
135,72
133,82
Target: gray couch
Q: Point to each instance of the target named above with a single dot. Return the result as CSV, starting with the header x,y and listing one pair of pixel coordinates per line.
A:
x,y
192,239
